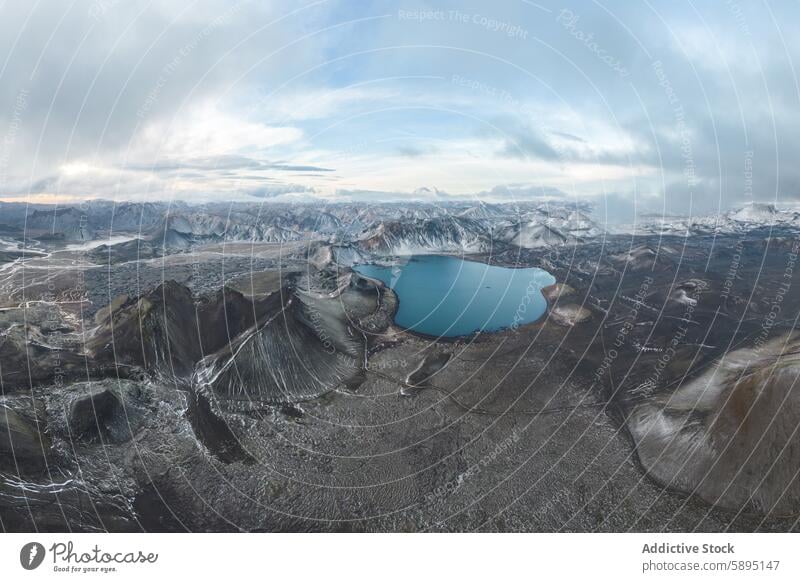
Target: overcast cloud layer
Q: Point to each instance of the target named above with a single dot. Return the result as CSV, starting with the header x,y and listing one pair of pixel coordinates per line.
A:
x,y
678,107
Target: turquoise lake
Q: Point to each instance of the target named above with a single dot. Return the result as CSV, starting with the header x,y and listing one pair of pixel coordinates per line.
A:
x,y
448,296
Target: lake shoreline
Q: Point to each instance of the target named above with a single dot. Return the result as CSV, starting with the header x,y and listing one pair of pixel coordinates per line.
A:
x,y
457,298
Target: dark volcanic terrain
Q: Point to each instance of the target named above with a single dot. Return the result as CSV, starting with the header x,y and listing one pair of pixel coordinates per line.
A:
x,y
219,368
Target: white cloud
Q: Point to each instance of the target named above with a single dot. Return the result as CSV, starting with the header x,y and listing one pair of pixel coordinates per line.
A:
x,y
205,131
319,103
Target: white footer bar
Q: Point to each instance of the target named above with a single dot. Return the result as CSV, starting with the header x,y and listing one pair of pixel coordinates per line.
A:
x,y
401,557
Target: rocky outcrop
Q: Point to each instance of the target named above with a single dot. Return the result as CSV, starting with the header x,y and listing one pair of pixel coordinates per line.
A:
x,y
564,311
30,354
569,314
105,313
319,256
730,435
97,412
24,445
556,291
645,257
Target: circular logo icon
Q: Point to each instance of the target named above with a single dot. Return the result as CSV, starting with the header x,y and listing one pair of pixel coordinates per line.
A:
x,y
31,555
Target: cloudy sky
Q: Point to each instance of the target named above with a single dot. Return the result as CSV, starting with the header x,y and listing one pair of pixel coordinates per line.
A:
x,y
679,107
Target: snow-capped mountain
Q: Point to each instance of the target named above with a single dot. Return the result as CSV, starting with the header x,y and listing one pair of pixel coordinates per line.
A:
x,y
419,236
359,231
532,235
188,228
751,216
757,212
67,224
